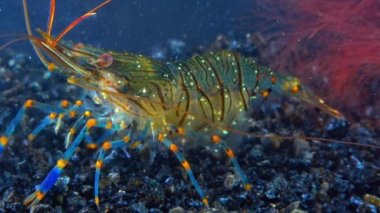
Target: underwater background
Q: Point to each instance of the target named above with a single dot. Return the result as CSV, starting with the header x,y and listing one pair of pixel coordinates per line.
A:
x,y
136,26
287,176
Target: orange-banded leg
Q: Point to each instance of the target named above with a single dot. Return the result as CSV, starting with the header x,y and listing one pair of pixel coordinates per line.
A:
x,y
217,140
54,174
121,143
48,120
73,130
56,119
93,143
56,113
57,170
185,164
106,146
84,116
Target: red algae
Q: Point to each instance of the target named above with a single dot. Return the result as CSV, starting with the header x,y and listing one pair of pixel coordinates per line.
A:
x,y
334,45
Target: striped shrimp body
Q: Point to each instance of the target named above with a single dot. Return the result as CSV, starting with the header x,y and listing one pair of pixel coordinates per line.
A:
x,y
207,95
194,94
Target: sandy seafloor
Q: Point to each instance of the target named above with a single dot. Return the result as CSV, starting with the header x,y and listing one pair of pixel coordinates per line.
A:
x,y
288,176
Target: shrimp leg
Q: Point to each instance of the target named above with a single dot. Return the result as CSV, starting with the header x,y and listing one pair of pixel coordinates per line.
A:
x,y
185,164
217,140
55,115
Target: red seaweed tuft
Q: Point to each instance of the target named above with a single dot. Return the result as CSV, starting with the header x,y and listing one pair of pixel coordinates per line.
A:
x,y
334,45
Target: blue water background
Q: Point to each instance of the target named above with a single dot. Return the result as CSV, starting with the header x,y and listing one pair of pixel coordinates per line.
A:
x,y
135,26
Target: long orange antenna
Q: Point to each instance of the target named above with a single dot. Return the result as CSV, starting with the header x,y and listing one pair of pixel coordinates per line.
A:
x,y
79,20
51,17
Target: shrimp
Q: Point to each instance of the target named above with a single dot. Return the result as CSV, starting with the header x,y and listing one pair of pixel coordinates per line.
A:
x,y
205,98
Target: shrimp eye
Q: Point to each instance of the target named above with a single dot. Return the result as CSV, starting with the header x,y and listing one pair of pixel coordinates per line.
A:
x,y
105,60
295,89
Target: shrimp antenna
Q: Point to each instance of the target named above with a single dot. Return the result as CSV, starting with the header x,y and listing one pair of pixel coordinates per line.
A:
x,y
12,35
30,34
76,21
19,37
51,17
14,41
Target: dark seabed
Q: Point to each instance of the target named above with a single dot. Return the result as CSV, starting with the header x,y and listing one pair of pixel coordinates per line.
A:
x,y
287,176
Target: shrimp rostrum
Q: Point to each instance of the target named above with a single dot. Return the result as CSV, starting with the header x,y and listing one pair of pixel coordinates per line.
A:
x,y
205,98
